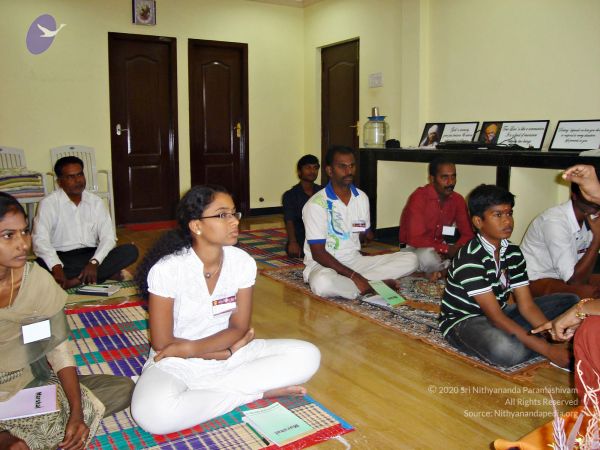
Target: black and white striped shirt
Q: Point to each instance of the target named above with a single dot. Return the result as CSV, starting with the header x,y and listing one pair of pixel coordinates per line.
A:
x,y
474,271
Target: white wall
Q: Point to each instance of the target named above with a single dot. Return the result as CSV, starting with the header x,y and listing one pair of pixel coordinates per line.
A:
x,y
464,60
441,61
62,96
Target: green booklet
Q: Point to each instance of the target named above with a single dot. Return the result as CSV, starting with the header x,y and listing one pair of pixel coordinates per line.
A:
x,y
390,296
277,424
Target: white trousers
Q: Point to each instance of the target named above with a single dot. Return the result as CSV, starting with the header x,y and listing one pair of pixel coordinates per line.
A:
x,y
162,403
429,260
328,283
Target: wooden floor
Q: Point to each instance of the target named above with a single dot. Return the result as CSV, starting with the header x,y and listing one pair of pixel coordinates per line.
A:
x,y
397,392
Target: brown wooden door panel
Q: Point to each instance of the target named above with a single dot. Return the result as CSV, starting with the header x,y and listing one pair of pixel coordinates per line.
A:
x,y
220,88
223,174
341,116
339,96
218,76
143,99
149,176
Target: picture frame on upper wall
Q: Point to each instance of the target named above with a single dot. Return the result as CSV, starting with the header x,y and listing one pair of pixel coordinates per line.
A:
x,y
144,12
576,135
435,133
524,134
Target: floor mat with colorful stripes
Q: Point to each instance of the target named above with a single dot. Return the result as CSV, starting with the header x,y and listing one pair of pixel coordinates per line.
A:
x,y
417,318
267,247
114,340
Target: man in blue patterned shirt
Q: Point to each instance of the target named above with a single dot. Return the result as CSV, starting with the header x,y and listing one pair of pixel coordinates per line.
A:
x,y
477,316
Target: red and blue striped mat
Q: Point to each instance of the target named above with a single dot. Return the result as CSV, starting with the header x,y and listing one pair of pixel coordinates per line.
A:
x,y
114,340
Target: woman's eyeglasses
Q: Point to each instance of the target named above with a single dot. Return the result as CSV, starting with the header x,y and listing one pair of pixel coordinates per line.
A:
x,y
224,215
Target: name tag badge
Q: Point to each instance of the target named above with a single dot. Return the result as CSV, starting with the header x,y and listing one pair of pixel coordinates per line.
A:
x,y
359,226
36,331
448,231
223,305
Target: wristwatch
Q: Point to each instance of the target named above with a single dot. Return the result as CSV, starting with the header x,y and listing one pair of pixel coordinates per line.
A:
x,y
94,261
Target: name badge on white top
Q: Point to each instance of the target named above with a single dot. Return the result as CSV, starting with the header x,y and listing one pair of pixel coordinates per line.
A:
x,y
359,226
448,230
36,331
223,305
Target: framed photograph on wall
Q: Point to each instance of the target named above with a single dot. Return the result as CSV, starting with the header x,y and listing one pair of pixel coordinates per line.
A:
x,y
436,132
576,135
528,134
459,131
144,12
490,132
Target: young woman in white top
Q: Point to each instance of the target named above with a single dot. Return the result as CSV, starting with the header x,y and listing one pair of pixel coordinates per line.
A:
x,y
204,360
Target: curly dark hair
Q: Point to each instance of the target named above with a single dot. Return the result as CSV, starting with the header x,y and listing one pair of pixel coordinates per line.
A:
x,y
190,207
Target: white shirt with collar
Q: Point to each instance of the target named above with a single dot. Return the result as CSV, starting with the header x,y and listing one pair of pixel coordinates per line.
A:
x,y
60,225
554,243
328,220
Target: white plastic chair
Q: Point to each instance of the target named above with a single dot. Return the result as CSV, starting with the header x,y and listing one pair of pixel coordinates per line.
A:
x,y
88,156
14,158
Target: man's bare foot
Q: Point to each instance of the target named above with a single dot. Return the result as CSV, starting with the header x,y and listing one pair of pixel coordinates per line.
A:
x,y
125,275
297,391
434,276
243,341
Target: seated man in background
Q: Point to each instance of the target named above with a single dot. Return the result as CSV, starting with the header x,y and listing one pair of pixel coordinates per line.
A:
x,y
561,248
336,220
294,200
476,317
434,214
583,320
73,235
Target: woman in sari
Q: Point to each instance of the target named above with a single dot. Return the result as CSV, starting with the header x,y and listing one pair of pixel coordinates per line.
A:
x,y
29,296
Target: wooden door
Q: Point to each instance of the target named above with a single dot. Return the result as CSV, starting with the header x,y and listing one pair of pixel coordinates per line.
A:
x,y
218,77
339,97
143,117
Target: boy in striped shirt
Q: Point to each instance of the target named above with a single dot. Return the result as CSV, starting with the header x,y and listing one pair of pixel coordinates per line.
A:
x,y
476,315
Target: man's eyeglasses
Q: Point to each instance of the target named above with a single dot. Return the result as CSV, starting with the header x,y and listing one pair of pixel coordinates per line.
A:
x,y
224,215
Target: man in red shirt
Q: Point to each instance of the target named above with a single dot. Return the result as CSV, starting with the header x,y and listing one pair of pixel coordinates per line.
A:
x,y
435,222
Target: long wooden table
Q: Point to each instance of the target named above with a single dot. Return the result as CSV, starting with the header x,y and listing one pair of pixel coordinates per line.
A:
x,y
503,160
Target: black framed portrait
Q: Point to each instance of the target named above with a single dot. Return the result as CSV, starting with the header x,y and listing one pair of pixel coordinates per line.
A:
x,y
576,135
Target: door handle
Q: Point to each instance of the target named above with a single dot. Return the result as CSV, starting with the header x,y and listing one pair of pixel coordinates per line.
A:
x,y
238,130
357,126
119,130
